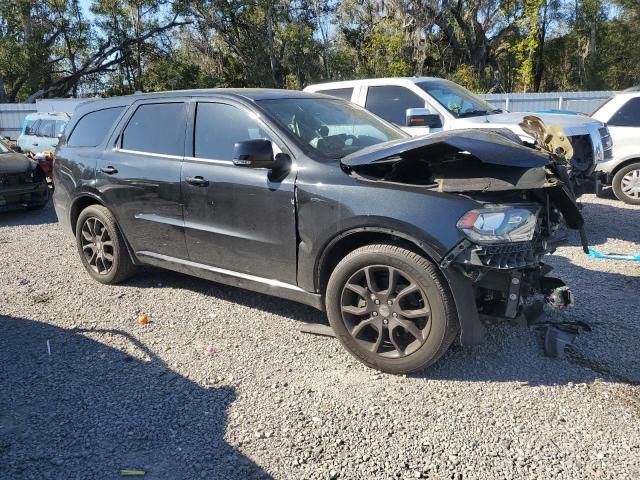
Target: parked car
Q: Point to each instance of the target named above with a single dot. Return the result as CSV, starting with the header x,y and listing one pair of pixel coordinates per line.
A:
x,y
22,181
41,131
622,172
422,105
314,199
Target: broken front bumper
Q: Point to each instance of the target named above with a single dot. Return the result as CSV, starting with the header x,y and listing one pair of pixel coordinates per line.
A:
x,y
18,196
502,281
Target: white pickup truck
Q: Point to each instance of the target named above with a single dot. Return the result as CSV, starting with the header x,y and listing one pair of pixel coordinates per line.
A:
x,y
422,105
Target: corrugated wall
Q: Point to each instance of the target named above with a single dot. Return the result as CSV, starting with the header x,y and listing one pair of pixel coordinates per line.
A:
x,y
11,117
581,102
12,114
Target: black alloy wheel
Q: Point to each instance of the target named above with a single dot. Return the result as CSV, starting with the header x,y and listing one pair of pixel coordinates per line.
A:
x,y
102,247
386,311
97,245
391,308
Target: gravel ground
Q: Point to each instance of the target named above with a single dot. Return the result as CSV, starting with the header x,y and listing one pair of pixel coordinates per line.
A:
x,y
270,402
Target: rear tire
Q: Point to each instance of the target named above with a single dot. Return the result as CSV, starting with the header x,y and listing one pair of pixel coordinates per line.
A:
x,y
391,309
626,184
102,247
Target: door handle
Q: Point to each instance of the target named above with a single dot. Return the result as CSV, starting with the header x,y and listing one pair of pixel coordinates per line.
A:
x,y
198,181
109,170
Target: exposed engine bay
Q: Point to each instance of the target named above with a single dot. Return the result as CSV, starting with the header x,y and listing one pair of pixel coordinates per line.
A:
x,y
527,204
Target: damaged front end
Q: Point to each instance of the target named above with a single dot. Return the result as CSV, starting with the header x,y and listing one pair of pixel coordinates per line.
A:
x,y
523,198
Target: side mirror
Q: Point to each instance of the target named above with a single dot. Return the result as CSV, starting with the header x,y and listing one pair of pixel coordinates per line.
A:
x,y
422,117
253,154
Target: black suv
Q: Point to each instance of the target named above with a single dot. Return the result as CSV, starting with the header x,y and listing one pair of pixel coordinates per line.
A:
x,y
405,242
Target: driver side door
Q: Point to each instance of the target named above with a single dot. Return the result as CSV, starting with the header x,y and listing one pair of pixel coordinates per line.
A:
x,y
236,218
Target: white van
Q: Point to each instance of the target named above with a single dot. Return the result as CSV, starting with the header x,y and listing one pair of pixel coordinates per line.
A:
x,y
41,131
422,105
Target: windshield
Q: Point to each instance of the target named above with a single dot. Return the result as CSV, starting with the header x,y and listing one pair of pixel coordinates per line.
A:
x,y
4,148
459,101
330,128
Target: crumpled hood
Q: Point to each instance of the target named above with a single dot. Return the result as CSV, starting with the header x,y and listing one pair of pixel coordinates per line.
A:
x,y
499,147
571,124
14,163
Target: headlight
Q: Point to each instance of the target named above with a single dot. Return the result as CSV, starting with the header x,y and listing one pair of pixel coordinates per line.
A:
x,y
499,224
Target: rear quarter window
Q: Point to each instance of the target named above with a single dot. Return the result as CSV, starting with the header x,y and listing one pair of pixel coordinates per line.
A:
x,y
93,127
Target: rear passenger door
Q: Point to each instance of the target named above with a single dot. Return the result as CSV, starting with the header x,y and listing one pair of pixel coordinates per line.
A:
x,y
139,176
236,218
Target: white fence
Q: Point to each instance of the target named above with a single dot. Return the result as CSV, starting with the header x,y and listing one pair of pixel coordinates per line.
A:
x,y
581,102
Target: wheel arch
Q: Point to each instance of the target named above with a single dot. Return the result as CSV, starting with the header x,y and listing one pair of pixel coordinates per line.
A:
x,y
87,199
471,328
623,164
78,205
346,242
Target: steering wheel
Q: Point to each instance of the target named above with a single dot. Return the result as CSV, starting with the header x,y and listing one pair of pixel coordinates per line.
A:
x,y
348,137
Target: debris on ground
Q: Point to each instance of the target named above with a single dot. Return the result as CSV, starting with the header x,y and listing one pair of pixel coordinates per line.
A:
x,y
132,473
143,319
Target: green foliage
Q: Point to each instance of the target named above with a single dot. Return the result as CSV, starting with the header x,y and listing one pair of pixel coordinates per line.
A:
x,y
49,48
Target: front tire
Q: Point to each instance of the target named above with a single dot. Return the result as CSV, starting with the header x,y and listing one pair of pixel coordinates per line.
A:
x,y
101,246
391,309
626,184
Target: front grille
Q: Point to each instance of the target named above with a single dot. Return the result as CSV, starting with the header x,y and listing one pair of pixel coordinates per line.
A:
x,y
607,143
511,255
12,179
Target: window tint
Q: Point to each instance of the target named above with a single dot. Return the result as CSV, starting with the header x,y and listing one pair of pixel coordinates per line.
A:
x,y
343,93
156,128
391,102
46,128
92,128
628,115
219,127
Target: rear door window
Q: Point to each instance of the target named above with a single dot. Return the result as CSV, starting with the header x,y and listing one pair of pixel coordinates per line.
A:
x,y
391,102
628,115
343,93
156,128
93,127
220,126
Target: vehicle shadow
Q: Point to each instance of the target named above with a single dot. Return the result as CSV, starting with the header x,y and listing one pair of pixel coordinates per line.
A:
x,y
87,410
509,353
151,277
23,216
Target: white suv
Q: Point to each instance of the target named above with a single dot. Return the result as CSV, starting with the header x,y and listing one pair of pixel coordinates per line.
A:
x,y
621,113
422,105
41,131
